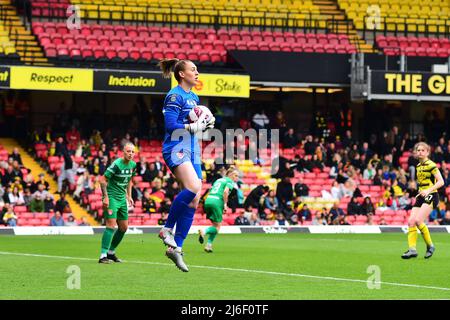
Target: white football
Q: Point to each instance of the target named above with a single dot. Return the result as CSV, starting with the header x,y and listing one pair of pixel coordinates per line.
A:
x,y
197,111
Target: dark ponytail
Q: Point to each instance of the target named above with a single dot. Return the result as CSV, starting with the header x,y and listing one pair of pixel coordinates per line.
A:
x,y
172,65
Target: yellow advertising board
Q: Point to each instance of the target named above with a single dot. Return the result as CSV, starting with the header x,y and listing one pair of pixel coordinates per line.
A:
x,y
60,79
221,85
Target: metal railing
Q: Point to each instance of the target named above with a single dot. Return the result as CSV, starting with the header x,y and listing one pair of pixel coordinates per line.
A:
x,y
195,17
385,26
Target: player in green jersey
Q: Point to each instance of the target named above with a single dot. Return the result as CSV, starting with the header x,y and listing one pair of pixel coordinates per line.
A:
x,y
116,189
216,204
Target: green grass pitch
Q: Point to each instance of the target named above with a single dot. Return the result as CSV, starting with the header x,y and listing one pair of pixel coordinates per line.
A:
x,y
246,266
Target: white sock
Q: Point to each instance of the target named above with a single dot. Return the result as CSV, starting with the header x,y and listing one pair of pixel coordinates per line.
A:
x,y
102,255
111,252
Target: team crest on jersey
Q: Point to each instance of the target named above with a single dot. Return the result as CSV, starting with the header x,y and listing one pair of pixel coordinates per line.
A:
x,y
173,98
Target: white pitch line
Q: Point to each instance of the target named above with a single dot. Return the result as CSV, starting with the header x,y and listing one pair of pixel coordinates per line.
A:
x,y
238,270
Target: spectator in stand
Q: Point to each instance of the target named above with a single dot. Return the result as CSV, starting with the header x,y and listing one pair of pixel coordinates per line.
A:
x,y
437,214
148,204
62,205
280,220
319,219
162,221
15,155
289,139
412,163
271,202
172,189
446,220
158,164
285,193
348,140
301,189
378,178
67,172
342,221
49,206
254,197
241,220
293,220
84,185
71,221
72,138
136,192
353,207
438,155
41,180
16,197
9,217
27,197
60,147
304,213
382,222
165,205
369,172
309,145
336,212
37,204
41,192
17,171
260,120
84,222
8,176
57,220
405,201
365,150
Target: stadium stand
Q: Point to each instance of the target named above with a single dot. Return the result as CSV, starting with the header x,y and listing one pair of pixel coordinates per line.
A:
x,y
414,46
131,43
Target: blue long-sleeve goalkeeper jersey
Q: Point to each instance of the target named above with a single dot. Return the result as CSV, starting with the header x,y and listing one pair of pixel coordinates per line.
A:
x,y
177,105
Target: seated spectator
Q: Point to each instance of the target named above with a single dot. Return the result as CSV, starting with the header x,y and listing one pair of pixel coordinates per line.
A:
x,y
382,222
353,207
369,172
293,220
301,189
37,204
49,206
319,219
9,217
15,155
378,179
41,192
289,139
241,220
71,221
84,185
27,197
271,202
367,207
280,220
336,212
16,197
254,220
336,190
437,214
165,205
148,204
136,192
446,220
162,221
304,213
62,205
41,180
83,222
172,190
405,201
57,220
396,190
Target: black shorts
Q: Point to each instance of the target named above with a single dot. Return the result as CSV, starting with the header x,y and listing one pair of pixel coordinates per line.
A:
x,y
432,200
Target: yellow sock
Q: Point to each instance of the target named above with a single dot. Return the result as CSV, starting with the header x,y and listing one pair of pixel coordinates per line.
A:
x,y
426,234
412,237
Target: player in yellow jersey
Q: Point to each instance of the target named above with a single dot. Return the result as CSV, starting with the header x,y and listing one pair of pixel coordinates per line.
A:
x,y
429,180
